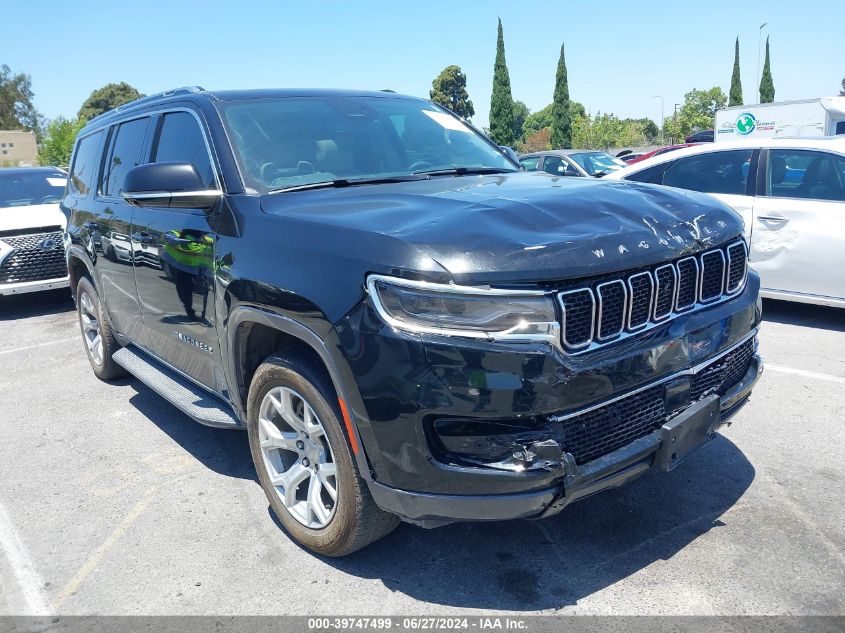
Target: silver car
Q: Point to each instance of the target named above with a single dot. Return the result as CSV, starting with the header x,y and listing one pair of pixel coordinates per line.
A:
x,y
791,194
572,162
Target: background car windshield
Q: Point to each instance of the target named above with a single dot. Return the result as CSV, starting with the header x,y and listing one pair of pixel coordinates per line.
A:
x,y
20,189
288,142
597,162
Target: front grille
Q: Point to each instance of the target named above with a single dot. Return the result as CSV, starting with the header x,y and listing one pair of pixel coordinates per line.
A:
x,y
602,311
602,430
33,258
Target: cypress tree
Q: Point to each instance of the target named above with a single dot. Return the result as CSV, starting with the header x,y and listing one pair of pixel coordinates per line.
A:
x,y
736,83
501,102
767,86
561,111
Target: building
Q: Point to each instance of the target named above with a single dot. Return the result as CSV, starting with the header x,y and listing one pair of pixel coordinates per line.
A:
x,y
18,149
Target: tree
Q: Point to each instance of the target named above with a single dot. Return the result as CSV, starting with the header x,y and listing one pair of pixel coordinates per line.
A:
x,y
767,86
842,92
543,118
736,83
16,108
697,113
520,114
537,141
58,141
561,114
501,101
606,131
649,128
449,89
107,98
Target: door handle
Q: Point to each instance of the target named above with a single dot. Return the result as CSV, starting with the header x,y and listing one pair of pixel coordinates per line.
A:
x,y
773,218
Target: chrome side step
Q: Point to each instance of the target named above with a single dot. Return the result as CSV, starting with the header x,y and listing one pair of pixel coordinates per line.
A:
x,y
180,392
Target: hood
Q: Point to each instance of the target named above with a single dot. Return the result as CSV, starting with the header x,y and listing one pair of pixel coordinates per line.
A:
x,y
31,216
524,226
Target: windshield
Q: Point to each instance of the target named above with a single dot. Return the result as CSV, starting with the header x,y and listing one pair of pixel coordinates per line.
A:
x,y
293,142
597,162
23,188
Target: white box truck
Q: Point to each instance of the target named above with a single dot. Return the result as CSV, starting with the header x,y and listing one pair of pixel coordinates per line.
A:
x,y
812,117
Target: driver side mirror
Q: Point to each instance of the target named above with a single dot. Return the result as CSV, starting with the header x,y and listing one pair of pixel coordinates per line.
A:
x,y
176,185
510,153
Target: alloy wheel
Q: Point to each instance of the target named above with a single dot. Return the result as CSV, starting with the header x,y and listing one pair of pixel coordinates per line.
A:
x,y
298,457
91,328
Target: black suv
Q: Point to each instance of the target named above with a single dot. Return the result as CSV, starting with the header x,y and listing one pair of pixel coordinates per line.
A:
x,y
407,325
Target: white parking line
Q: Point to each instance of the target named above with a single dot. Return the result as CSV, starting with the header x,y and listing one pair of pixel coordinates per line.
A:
x,y
29,583
806,374
26,347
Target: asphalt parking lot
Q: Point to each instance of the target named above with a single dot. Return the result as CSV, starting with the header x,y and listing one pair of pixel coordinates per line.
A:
x,y
113,502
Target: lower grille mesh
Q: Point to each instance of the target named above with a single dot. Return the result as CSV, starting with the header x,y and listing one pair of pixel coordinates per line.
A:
x,y
601,431
34,259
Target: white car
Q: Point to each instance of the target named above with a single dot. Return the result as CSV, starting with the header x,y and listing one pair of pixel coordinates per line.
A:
x,y
791,194
32,255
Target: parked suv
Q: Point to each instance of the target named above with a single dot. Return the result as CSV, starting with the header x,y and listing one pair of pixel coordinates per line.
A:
x,y
406,324
31,228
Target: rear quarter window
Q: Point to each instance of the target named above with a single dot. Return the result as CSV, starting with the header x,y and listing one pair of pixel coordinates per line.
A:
x,y
85,163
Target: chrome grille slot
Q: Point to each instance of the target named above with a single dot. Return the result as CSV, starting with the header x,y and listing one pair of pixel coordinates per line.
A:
x,y
607,309
665,277
579,308
712,275
612,301
687,283
736,267
640,289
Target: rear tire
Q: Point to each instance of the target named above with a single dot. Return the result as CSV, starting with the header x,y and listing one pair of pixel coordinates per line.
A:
x,y
304,461
97,334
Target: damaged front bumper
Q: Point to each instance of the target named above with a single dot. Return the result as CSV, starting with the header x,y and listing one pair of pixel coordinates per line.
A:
x,y
661,450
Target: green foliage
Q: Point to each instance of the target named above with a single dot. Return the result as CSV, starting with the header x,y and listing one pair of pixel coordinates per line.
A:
x,y
606,131
520,114
449,89
541,119
537,141
58,140
16,108
107,98
501,101
649,128
697,113
736,83
767,85
561,113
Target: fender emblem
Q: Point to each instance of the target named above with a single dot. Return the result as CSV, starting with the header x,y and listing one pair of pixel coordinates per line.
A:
x,y
193,342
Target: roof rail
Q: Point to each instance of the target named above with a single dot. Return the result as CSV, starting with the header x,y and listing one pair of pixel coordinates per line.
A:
x,y
149,99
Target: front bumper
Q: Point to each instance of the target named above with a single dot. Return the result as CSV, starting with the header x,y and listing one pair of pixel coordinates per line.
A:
x,y
33,286
609,471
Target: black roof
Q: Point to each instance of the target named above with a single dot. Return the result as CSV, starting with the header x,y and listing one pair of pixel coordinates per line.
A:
x,y
196,93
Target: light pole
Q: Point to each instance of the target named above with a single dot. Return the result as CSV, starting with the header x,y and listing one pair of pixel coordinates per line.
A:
x,y
759,42
662,120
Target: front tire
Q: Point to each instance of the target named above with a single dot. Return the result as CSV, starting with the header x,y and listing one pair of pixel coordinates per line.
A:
x,y
97,334
304,461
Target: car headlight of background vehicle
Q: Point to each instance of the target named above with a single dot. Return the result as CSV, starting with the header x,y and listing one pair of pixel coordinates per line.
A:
x,y
467,311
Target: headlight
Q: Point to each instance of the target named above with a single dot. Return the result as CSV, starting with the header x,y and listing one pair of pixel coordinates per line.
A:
x,y
467,311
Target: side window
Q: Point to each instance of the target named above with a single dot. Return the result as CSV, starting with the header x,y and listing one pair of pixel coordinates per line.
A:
x,y
714,172
840,128
125,153
557,166
530,164
652,175
805,174
85,163
180,140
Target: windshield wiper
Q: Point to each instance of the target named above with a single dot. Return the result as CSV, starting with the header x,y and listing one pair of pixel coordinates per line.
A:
x,y
465,171
351,182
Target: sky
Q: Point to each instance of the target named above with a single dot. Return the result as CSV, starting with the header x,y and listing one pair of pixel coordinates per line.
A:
x,y
620,55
